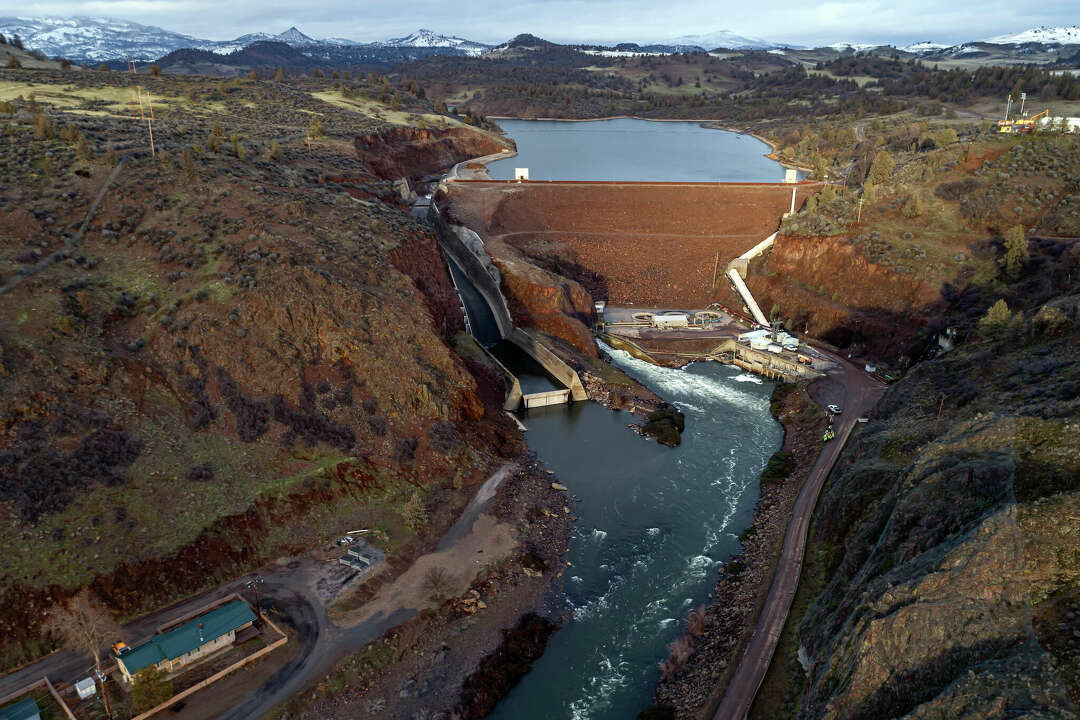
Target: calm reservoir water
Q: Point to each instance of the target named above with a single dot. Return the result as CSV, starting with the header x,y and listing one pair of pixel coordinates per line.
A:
x,y
628,149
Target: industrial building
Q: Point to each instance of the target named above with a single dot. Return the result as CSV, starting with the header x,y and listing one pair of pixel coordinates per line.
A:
x,y
189,642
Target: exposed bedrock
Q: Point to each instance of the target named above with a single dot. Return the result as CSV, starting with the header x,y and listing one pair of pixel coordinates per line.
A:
x,y
414,152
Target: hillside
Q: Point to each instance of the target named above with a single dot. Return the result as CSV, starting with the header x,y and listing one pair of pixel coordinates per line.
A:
x,y
231,349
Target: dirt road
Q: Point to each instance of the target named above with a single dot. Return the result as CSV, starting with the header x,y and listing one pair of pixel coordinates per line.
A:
x,y
860,393
290,591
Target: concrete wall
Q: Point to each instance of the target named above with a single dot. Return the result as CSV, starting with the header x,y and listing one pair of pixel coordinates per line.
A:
x,y
467,252
550,362
465,249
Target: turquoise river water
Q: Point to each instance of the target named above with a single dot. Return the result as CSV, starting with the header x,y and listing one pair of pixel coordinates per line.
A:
x,y
655,523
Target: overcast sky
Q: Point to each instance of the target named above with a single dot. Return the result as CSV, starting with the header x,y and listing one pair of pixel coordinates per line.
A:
x,y
802,22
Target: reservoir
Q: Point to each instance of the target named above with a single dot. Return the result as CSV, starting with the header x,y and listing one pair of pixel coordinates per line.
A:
x,y
634,150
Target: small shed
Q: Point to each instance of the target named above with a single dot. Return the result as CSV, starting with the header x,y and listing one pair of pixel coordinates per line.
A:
x,y
85,688
521,174
25,709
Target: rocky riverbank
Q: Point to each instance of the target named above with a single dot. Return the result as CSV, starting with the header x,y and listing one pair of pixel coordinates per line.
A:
x,y
699,667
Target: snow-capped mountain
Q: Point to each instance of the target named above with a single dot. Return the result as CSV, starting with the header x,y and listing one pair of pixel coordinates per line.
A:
x,y
429,39
853,46
1063,35
96,39
87,39
926,46
720,39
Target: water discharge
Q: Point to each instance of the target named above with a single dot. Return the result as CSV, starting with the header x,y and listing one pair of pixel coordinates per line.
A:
x,y
654,523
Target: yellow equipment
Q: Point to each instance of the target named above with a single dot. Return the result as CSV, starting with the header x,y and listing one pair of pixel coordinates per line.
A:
x,y
1021,125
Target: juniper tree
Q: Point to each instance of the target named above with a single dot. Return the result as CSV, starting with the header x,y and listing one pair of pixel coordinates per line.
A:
x,y
1016,251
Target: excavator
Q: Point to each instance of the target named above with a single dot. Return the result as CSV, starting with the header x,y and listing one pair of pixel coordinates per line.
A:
x,y
1021,126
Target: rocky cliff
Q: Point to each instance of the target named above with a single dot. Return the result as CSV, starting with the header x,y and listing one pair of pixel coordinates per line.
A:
x,y
414,152
948,533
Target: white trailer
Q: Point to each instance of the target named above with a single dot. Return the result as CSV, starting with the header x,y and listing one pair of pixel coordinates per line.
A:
x,y
673,320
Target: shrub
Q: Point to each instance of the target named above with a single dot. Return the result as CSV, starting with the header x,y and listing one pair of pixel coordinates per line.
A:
x,y
777,469
437,583
279,76
6,107
187,163
13,63
150,689
913,206
82,149
275,151
155,70
996,319
70,134
43,127
315,126
65,64
881,168
413,512
103,67
253,75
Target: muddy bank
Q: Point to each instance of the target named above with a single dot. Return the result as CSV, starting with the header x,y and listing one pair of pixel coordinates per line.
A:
x,y
697,673
415,152
467,653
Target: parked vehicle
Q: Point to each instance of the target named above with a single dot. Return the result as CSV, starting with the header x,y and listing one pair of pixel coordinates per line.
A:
x,y
835,409
120,649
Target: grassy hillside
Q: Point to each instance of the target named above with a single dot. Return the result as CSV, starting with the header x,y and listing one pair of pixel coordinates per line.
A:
x,y
221,361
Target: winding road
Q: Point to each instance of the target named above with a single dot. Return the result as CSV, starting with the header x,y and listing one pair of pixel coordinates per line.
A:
x,y
860,393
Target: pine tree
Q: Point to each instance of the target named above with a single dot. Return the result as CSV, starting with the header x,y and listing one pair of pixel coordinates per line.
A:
x,y
13,63
17,42
279,76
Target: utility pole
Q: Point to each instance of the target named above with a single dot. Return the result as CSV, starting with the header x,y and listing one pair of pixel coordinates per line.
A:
x,y
716,266
1023,99
254,583
104,691
858,217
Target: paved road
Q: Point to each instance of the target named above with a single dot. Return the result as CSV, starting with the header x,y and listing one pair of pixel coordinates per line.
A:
x,y
861,393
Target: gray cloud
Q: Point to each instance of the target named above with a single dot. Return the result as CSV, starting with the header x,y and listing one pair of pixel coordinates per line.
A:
x,y
895,21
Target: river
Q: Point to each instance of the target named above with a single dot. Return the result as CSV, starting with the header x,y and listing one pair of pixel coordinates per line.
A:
x,y
634,150
654,523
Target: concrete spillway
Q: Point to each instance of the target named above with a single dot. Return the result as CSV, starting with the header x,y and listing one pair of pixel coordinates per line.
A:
x,y
489,320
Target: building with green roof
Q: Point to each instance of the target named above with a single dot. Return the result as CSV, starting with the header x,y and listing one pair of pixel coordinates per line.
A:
x,y
194,639
25,709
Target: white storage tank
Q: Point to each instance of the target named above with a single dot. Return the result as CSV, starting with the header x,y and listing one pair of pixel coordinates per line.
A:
x,y
760,343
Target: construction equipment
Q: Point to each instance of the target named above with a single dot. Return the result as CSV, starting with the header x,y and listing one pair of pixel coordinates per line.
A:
x,y
1021,126
120,649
